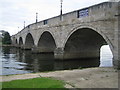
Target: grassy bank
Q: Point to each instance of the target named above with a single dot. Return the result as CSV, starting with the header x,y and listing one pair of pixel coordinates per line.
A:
x,y
34,83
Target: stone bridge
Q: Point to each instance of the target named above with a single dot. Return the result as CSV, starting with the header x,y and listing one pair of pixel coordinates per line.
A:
x,y
77,34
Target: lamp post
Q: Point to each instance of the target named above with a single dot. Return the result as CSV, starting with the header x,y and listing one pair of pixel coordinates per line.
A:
x,y
36,17
61,1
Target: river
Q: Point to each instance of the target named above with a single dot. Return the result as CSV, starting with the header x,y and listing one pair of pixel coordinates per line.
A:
x,y
17,61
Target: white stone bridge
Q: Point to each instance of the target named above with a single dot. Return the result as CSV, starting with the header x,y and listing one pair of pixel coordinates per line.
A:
x,y
77,34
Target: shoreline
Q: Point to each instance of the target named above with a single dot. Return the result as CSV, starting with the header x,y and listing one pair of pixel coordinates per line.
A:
x,y
6,45
99,77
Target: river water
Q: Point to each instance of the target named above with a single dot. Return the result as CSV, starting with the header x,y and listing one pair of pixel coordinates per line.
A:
x,y
17,61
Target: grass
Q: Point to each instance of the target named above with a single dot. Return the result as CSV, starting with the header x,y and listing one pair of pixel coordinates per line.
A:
x,y
34,83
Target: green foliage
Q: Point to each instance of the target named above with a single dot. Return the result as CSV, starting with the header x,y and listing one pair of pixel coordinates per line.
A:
x,y
34,83
6,38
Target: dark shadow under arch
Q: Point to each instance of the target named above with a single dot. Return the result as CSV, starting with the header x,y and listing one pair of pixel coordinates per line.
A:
x,y
84,44
29,41
46,42
20,41
16,42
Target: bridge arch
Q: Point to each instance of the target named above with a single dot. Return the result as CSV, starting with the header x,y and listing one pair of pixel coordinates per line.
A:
x,y
46,42
85,43
20,41
96,29
29,41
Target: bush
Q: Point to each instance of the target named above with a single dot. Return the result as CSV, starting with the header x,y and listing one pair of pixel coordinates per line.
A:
x,y
6,38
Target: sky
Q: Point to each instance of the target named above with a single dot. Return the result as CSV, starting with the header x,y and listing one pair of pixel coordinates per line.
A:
x,y
13,13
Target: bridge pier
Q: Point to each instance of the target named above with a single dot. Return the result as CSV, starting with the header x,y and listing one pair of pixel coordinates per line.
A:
x,y
26,47
116,63
42,50
16,45
59,53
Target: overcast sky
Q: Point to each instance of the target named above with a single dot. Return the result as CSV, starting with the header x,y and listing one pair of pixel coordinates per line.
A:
x,y
13,13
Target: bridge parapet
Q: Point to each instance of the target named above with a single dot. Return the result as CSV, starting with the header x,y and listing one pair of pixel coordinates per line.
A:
x,y
102,11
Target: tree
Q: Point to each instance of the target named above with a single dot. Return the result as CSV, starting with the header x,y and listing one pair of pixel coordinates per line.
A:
x,y
6,38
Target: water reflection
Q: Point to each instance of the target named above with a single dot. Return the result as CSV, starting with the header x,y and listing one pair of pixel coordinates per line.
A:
x,y
39,62
46,62
6,52
20,61
75,64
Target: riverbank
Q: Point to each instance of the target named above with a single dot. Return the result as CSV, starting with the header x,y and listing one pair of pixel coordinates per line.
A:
x,y
78,78
3,45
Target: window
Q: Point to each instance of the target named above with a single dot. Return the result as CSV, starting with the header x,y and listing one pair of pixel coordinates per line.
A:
x,y
83,13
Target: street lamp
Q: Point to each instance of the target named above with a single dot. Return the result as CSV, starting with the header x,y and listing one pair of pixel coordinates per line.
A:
x,y
61,1
36,17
